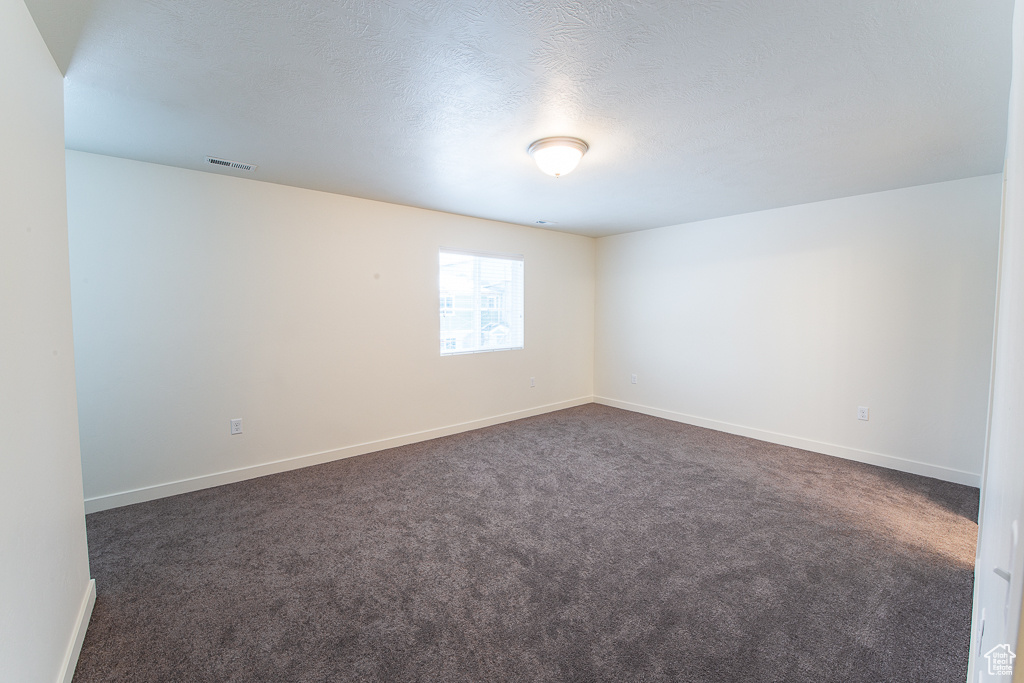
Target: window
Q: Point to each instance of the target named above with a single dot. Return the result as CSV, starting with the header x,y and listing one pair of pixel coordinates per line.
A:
x,y
481,298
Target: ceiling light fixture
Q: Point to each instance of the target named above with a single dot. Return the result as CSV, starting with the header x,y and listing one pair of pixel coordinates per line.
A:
x,y
557,156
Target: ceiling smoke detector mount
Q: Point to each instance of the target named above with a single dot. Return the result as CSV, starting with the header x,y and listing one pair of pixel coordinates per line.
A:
x,y
557,156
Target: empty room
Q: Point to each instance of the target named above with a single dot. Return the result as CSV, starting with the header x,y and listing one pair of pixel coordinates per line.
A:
x,y
419,340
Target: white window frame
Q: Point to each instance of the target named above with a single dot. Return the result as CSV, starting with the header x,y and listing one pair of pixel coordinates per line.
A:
x,y
484,254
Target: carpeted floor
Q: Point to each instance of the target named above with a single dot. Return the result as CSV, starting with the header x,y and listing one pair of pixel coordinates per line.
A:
x,y
591,544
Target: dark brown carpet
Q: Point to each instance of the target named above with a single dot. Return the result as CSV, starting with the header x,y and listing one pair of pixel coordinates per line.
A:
x,y
591,544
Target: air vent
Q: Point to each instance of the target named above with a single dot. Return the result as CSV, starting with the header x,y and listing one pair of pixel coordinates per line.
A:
x,y
230,164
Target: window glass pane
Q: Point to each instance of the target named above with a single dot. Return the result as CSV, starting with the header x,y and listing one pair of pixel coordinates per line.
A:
x,y
481,302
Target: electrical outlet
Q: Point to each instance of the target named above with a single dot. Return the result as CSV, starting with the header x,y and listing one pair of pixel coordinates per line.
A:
x,y
532,383
236,425
632,379
863,413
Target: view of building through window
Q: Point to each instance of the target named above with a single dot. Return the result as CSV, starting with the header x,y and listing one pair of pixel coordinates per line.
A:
x,y
481,302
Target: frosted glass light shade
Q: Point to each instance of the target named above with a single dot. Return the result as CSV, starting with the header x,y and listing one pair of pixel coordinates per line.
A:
x,y
558,156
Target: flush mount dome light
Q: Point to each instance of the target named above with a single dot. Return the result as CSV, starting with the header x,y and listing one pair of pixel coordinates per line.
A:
x,y
558,156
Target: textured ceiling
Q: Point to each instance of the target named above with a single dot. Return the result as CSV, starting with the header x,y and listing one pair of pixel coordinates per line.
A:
x,y
692,109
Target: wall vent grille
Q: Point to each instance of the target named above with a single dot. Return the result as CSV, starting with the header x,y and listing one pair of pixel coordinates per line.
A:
x,y
216,161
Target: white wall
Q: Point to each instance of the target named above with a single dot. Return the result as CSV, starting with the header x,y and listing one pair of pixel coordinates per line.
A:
x,y
201,297
997,602
45,591
779,324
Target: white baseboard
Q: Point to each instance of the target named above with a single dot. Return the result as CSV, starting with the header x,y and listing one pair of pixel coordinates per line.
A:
x,y
67,671
140,495
888,461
